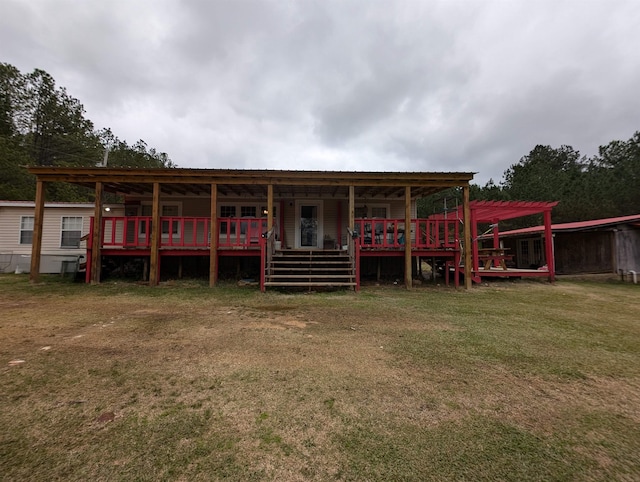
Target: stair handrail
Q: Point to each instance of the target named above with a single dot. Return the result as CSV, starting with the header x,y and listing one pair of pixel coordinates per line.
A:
x,y
268,240
354,255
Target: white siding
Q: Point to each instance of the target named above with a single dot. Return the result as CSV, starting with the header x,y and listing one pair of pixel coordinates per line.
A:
x,y
13,254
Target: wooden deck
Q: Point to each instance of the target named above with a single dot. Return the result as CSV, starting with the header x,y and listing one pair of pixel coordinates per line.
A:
x,y
245,237
499,272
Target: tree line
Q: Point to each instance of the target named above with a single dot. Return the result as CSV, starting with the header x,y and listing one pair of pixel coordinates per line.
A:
x,y
43,125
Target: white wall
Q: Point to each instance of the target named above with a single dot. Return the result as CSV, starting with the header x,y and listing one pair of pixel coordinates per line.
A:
x,y
15,255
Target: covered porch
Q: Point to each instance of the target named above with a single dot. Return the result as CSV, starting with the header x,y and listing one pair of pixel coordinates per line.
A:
x,y
256,213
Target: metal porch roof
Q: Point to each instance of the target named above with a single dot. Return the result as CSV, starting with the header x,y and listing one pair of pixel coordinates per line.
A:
x,y
576,226
253,183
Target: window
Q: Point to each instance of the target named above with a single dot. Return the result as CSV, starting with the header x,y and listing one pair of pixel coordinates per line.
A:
x,y
227,212
241,210
26,229
71,231
248,211
371,211
166,210
360,212
170,211
537,251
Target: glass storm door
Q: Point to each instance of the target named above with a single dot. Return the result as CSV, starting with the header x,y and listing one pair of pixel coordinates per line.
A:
x,y
309,229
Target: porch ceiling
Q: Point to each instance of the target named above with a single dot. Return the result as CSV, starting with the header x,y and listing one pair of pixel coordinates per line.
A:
x,y
253,183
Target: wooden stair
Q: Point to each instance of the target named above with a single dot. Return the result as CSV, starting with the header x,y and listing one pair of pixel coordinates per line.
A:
x,y
310,268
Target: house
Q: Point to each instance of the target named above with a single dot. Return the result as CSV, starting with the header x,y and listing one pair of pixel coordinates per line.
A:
x,y
63,226
595,246
295,228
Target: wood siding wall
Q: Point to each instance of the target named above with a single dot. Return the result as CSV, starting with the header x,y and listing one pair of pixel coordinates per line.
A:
x,y
584,252
627,241
604,251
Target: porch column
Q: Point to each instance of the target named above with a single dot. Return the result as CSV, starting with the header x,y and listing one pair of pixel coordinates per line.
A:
x,y
548,246
408,278
466,219
353,248
36,243
154,271
96,240
339,226
269,206
352,208
213,236
496,234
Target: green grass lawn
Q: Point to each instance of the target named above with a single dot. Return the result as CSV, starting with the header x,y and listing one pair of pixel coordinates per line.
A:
x,y
509,381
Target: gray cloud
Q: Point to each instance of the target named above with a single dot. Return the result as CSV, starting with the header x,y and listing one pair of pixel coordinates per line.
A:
x,y
394,85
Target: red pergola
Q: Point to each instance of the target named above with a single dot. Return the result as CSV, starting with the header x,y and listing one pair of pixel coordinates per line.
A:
x,y
492,213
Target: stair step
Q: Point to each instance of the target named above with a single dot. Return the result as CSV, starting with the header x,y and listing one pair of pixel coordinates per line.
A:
x,y
315,268
305,284
310,261
311,275
309,268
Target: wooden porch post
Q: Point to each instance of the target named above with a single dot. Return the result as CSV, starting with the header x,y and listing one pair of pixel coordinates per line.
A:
x,y
548,246
496,234
408,275
154,271
351,219
352,208
339,226
36,243
213,236
96,239
466,219
269,206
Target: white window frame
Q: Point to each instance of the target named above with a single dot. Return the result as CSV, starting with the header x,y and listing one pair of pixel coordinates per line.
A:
x,y
165,234
259,213
370,207
24,230
63,230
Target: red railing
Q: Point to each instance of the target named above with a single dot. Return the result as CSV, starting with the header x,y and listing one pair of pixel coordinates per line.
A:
x,y
129,232
237,233
181,232
240,232
390,233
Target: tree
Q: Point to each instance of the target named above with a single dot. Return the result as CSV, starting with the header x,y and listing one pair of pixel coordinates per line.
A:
x,y
615,175
42,125
548,174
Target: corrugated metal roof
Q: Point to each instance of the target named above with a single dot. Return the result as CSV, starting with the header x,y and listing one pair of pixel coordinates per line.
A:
x,y
576,226
254,183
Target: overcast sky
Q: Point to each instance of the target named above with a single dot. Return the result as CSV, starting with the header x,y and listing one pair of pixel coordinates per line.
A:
x,y
377,85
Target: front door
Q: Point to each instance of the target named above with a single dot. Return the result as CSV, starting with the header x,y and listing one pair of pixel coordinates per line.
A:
x,y
309,224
